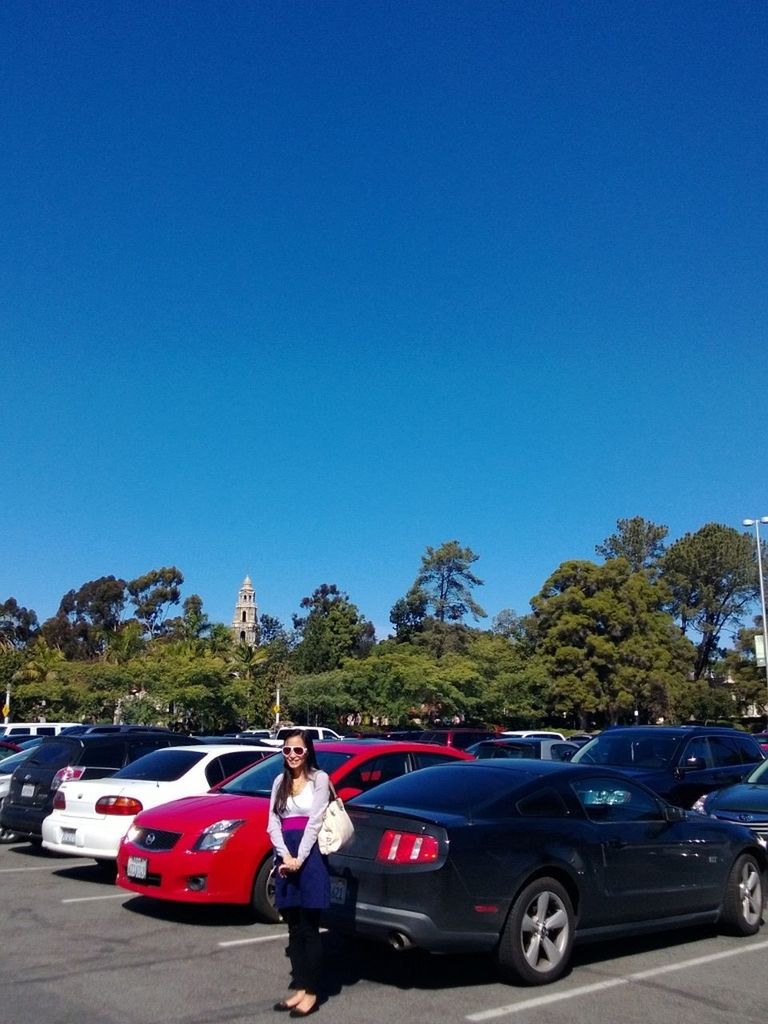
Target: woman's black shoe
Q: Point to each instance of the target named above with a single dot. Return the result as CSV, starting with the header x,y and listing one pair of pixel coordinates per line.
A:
x,y
305,1013
284,1007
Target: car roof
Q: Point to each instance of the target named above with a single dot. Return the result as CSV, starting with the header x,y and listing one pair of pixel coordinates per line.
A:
x,y
672,730
385,746
215,748
92,738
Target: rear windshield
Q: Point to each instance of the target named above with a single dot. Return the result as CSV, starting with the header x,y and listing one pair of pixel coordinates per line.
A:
x,y
54,752
492,749
629,750
165,765
470,788
257,781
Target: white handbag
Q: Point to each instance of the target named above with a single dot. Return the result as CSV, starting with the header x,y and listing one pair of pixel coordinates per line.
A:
x,y
336,829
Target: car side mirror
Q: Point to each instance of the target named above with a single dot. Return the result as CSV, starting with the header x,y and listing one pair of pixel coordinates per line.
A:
x,y
672,813
694,763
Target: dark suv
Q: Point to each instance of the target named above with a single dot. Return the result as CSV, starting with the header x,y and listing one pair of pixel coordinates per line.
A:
x,y
60,758
680,763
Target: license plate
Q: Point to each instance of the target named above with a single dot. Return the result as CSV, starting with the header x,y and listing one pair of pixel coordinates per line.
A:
x,y
137,868
338,890
27,791
68,836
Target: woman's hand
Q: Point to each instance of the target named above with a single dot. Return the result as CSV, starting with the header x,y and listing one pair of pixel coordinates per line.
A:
x,y
289,865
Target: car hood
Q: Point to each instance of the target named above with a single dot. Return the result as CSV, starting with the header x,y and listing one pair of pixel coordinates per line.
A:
x,y
193,812
743,797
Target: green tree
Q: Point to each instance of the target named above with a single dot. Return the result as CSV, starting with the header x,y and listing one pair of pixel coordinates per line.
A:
x,y
193,626
408,613
447,580
18,625
333,629
153,594
87,618
638,540
742,675
712,578
607,642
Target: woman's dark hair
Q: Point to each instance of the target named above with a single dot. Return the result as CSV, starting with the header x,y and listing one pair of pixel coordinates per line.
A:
x,y
309,767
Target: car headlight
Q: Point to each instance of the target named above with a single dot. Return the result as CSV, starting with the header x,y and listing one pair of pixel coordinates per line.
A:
x,y
700,806
215,836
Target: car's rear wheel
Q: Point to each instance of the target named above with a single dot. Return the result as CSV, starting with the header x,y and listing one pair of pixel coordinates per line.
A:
x,y
743,900
263,895
535,946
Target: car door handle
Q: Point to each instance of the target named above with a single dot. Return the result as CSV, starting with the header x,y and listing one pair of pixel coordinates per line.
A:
x,y
617,844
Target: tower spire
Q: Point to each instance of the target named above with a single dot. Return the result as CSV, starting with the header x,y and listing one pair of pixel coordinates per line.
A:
x,y
245,625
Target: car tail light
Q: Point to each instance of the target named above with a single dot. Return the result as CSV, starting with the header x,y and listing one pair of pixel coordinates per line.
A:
x,y
118,805
59,802
407,848
71,772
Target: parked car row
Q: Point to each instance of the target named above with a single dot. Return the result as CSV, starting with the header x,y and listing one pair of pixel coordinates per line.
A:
x,y
215,849
518,847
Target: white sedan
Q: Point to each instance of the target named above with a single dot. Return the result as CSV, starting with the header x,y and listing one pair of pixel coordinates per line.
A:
x,y
90,817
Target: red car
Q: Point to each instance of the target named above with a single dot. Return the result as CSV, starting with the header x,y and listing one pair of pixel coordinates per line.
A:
x,y
215,848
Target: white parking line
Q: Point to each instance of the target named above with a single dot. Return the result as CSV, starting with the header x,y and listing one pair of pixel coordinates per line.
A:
x,y
601,986
90,899
260,938
247,942
8,871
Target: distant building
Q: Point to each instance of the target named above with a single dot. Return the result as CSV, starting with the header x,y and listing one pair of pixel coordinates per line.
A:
x,y
245,624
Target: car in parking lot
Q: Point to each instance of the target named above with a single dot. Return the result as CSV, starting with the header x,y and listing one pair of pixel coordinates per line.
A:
x,y
215,848
680,763
59,758
521,859
460,737
527,746
8,766
745,803
90,816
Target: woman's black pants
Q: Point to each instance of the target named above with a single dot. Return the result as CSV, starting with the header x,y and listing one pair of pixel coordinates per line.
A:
x,y
304,947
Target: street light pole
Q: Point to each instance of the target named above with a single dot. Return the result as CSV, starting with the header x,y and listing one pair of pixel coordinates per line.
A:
x,y
764,615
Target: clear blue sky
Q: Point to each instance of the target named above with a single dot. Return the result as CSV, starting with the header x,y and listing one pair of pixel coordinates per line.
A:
x,y
296,289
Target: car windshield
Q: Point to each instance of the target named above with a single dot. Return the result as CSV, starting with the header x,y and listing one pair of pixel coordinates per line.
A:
x,y
492,749
161,765
466,789
629,750
759,774
257,781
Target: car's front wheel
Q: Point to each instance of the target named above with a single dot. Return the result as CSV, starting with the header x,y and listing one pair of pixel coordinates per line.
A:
x,y
535,946
743,901
263,895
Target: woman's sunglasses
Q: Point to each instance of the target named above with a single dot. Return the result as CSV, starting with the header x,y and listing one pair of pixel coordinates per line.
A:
x,y
294,750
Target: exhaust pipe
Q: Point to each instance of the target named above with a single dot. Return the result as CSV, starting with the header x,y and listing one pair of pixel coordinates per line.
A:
x,y
399,942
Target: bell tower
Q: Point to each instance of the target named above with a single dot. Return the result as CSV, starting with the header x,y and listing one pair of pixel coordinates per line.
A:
x,y
245,624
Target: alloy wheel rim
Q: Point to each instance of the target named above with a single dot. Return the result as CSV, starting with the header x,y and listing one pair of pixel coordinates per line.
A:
x,y
545,932
750,894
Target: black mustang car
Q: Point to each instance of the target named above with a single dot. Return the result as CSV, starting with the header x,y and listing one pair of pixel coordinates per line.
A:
x,y
521,859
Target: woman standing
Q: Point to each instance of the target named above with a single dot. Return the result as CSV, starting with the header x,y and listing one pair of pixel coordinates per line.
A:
x,y
299,798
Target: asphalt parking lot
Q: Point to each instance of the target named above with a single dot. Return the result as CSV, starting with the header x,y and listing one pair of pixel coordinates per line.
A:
x,y
77,950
